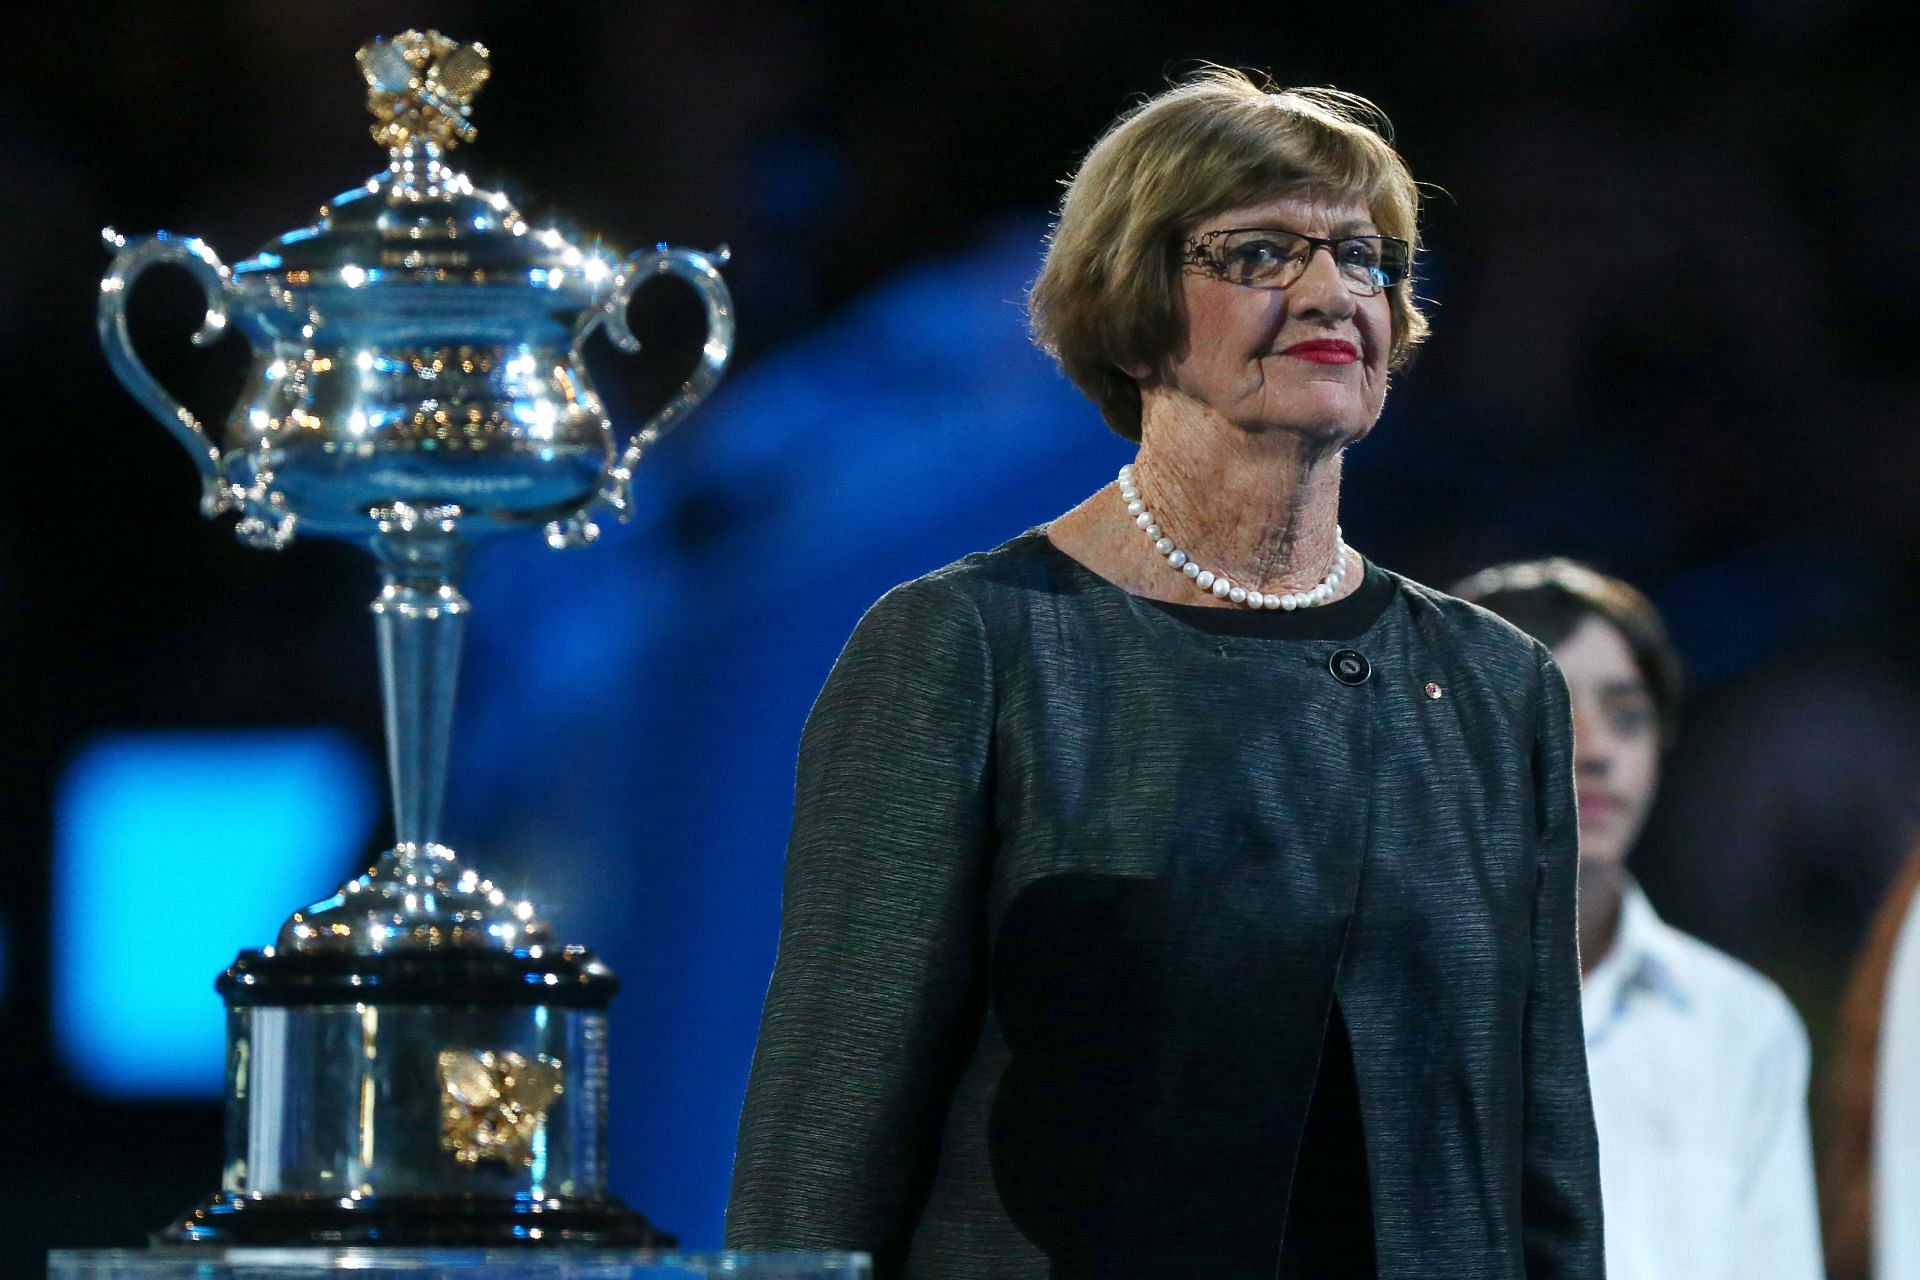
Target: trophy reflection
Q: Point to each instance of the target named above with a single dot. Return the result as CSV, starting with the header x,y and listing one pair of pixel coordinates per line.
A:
x,y
416,1060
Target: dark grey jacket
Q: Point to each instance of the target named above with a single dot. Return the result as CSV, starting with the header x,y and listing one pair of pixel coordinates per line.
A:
x,y
1073,888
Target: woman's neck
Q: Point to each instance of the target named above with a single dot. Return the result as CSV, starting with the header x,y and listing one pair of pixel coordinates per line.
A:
x,y
1261,507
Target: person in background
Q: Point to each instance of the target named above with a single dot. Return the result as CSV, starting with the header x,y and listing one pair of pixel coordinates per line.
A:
x,y
1873,1113
1698,1064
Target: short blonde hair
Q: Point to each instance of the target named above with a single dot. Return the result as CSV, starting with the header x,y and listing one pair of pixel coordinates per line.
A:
x,y
1108,295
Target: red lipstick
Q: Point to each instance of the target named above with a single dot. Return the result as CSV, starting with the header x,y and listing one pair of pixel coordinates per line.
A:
x,y
1324,351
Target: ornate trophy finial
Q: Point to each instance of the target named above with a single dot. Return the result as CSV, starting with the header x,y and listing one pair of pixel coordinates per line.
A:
x,y
420,87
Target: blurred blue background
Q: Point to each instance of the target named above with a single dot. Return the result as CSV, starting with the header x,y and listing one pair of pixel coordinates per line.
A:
x,y
137,929
1668,277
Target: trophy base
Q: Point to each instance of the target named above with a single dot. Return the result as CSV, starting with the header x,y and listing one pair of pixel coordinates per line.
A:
x,y
412,1221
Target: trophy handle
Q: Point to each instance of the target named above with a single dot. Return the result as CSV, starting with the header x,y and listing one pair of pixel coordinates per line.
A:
x,y
130,259
702,271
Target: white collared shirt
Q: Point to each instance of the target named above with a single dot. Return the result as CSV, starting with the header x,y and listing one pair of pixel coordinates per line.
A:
x,y
1699,1072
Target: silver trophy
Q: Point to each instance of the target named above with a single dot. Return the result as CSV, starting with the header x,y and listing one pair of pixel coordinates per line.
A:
x,y
416,1059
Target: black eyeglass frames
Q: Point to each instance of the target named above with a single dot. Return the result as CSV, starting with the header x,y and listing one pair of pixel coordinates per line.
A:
x,y
1273,257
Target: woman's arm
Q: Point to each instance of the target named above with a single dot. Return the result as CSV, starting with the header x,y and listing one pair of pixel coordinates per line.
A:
x,y
1560,1174
877,993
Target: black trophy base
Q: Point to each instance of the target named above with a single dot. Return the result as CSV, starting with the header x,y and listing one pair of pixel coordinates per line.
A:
x,y
412,1222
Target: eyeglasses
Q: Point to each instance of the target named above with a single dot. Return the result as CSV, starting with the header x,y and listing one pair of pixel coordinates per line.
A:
x,y
1273,258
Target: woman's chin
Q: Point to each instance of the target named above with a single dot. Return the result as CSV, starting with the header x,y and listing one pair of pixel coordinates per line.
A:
x,y
1329,413
1329,430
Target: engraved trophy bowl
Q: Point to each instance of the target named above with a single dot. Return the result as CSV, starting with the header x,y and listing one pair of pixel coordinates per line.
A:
x,y
416,1060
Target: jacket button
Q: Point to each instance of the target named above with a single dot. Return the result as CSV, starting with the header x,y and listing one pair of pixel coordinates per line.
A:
x,y
1349,666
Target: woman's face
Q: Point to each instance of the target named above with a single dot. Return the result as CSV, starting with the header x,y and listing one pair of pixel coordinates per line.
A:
x,y
1310,357
1616,740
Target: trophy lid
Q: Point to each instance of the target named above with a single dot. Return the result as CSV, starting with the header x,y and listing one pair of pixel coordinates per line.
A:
x,y
422,223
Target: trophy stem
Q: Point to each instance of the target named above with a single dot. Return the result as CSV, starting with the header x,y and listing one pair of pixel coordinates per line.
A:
x,y
419,617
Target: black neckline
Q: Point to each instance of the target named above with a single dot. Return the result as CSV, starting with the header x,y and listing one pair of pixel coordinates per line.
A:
x,y
1344,619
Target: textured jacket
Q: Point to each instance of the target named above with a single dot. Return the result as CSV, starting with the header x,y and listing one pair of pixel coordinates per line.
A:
x,y
1073,888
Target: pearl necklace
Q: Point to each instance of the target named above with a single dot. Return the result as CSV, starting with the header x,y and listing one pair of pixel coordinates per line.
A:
x,y
1218,583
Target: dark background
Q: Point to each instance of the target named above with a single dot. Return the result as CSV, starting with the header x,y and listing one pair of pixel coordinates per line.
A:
x,y
1671,273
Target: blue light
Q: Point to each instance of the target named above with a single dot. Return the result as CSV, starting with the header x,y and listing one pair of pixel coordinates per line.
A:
x,y
173,851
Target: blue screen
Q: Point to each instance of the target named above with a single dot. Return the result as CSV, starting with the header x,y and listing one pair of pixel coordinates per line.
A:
x,y
173,851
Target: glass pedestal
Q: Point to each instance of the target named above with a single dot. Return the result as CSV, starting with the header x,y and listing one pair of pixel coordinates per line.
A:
x,y
444,1264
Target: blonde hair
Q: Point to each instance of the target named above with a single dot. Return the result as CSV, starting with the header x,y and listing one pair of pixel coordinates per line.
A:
x,y
1108,295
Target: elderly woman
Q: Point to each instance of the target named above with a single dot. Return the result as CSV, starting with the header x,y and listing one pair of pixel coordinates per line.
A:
x,y
1172,891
